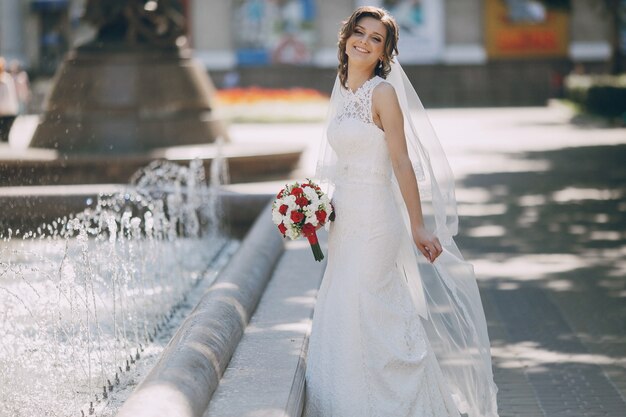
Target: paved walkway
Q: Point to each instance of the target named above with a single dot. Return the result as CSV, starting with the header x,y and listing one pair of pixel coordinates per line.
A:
x,y
542,200
544,222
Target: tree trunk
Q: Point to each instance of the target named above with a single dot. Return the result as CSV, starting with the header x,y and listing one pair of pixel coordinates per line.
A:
x,y
613,10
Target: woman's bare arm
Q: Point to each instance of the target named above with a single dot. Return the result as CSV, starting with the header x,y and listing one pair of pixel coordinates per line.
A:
x,y
389,113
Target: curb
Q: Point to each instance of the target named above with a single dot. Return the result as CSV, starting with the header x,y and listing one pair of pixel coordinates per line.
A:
x,y
296,399
266,375
27,208
183,380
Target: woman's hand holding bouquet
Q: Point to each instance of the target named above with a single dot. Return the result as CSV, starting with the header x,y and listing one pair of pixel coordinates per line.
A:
x,y
300,210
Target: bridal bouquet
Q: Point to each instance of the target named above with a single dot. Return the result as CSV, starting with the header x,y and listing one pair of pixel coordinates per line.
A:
x,y
299,210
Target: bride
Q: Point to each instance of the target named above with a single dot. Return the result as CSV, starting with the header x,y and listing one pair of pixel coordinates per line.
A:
x,y
398,328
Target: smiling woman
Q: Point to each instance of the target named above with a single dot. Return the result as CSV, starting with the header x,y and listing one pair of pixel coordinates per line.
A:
x,y
398,327
375,38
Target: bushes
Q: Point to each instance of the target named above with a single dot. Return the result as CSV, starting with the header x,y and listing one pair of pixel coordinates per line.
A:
x,y
602,95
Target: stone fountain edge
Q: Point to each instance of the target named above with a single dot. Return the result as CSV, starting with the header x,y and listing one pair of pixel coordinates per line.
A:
x,y
189,369
27,208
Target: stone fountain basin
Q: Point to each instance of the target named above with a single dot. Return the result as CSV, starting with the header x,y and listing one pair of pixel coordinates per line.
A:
x,y
190,368
26,208
246,162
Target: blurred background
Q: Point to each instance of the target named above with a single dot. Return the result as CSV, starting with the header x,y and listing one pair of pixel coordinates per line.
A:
x,y
459,53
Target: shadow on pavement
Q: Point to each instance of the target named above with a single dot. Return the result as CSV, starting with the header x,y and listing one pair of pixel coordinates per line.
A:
x,y
551,260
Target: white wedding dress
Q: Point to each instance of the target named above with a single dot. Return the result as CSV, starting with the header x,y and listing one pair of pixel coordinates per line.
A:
x,y
368,354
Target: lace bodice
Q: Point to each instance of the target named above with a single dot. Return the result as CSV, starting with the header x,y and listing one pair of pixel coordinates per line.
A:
x,y
362,154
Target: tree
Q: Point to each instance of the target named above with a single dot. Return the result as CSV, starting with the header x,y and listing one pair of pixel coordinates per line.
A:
x,y
613,7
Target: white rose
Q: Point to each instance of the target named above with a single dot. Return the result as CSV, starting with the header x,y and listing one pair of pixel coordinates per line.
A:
x,y
291,232
310,193
277,218
312,220
290,201
312,208
315,201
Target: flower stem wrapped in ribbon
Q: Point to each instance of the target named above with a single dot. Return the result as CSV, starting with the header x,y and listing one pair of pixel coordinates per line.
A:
x,y
299,210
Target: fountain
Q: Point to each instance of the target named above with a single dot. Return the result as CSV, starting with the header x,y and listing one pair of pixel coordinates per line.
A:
x,y
88,299
133,88
132,94
83,297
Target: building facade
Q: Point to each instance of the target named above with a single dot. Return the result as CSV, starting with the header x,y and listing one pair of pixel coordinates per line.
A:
x,y
293,42
433,31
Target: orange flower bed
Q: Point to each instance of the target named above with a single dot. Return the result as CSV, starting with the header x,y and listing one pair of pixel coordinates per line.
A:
x,y
259,94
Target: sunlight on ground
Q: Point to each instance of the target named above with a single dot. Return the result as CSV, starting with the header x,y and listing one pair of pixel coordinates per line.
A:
x,y
530,355
301,327
527,267
308,301
464,164
619,271
481,209
474,195
486,231
531,200
577,194
605,235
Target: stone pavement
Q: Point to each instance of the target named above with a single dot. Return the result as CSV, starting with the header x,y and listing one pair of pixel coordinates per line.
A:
x,y
544,222
542,205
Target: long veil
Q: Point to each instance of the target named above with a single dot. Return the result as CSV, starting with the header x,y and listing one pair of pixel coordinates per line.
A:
x,y
445,293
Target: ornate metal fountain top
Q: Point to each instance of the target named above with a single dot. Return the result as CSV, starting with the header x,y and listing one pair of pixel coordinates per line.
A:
x,y
153,22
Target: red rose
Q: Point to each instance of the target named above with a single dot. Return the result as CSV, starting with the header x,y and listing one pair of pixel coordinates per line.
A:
x,y
302,201
308,229
306,184
283,209
282,228
296,216
296,191
321,216
280,193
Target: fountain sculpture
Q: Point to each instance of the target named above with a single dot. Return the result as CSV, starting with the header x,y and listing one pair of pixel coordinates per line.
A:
x,y
133,88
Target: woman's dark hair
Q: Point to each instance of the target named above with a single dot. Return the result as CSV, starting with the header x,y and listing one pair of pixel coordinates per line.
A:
x,y
391,40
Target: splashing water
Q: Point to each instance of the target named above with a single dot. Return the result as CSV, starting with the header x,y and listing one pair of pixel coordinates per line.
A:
x,y
81,297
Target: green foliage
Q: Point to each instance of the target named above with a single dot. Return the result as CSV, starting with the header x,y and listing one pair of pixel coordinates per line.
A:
x,y
607,101
603,95
558,4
